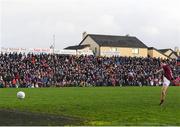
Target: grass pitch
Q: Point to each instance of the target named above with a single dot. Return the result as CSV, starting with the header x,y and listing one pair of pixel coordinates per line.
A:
x,y
99,105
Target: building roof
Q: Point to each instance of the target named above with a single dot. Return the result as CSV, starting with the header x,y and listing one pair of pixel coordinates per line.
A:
x,y
116,41
76,47
164,50
175,53
152,48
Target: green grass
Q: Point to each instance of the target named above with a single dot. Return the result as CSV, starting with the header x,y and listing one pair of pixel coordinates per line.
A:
x,y
100,106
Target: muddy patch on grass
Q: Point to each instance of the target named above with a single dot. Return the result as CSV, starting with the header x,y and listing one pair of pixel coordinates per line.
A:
x,y
19,118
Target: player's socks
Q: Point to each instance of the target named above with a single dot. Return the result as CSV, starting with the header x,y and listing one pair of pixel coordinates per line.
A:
x,y
162,101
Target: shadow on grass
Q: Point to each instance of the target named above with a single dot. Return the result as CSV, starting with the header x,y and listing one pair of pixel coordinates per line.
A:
x,y
19,118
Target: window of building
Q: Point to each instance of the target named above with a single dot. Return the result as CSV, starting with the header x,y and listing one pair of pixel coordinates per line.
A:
x,y
114,49
135,51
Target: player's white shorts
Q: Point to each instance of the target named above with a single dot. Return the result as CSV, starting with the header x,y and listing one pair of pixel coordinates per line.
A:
x,y
166,82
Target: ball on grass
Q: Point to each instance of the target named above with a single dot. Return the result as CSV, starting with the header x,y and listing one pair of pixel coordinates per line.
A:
x,y
20,95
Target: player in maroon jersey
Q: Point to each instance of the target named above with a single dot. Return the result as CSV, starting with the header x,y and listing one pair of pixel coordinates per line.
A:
x,y
167,78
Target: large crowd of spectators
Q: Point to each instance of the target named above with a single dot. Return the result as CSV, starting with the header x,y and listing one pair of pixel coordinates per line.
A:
x,y
53,70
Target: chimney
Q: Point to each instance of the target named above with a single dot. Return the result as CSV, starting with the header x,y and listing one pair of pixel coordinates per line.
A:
x,y
84,34
127,35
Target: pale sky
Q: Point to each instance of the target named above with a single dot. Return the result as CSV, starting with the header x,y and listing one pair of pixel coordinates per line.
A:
x,y
32,23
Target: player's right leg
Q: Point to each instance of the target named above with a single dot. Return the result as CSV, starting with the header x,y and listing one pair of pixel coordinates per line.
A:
x,y
163,94
165,86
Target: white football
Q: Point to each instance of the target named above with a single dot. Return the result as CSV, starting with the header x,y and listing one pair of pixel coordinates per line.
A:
x,y
20,95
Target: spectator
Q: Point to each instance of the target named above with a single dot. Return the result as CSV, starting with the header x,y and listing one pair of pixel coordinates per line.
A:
x,y
44,70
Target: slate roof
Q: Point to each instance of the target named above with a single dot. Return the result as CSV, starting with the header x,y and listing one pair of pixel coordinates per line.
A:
x,y
164,50
116,41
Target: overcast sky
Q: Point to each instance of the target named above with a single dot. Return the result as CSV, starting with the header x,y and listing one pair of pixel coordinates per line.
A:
x,y
32,23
